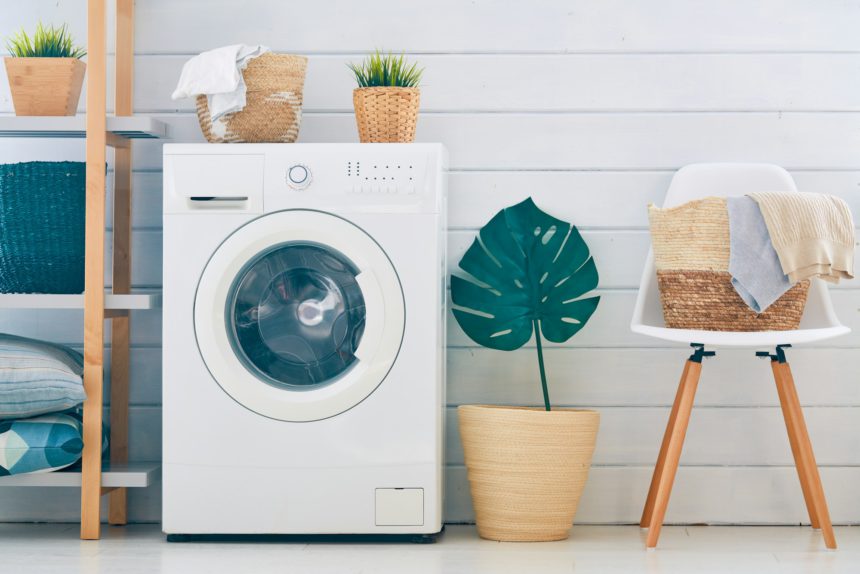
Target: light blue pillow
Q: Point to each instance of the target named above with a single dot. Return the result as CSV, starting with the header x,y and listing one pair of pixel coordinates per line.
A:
x,y
37,377
40,444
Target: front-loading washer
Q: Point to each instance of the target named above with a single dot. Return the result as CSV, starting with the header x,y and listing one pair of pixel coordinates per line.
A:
x,y
303,338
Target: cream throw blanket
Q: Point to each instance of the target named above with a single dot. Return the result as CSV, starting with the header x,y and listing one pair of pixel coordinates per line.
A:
x,y
813,234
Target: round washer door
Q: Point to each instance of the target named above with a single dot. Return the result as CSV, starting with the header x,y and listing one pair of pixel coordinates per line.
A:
x,y
299,315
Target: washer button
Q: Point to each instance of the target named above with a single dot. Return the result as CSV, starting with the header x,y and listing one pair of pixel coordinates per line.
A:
x,y
298,176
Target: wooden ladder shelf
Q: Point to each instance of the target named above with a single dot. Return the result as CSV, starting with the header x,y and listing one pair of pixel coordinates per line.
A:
x,y
94,479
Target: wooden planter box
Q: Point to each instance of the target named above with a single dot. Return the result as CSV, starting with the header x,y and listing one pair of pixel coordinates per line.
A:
x,y
45,86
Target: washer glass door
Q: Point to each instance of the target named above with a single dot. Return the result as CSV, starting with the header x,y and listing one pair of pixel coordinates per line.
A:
x,y
296,315
299,315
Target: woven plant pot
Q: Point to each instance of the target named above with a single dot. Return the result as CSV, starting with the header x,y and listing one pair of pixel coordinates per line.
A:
x,y
527,468
42,222
45,86
386,114
273,109
691,253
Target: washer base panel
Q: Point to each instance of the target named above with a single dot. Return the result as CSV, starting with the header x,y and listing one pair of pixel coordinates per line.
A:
x,y
331,501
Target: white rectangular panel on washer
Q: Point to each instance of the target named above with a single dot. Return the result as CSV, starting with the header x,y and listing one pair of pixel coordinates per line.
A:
x,y
399,506
213,181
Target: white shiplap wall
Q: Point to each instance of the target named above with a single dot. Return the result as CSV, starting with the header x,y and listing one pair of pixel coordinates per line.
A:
x,y
588,107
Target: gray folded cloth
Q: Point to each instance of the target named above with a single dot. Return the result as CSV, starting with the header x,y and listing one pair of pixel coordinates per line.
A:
x,y
754,265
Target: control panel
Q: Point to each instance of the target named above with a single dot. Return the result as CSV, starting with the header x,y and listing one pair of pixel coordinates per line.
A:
x,y
256,178
383,176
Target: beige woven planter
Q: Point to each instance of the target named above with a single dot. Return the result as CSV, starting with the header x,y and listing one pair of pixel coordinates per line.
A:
x,y
45,86
527,468
273,109
386,114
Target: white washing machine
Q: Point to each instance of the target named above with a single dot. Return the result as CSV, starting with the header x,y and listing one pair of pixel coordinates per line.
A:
x,y
304,343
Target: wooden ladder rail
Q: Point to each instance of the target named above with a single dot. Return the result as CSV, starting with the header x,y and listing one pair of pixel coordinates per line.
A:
x,y
120,323
94,296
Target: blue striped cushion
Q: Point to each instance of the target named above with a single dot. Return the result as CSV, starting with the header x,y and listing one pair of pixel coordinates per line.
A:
x,y
38,377
40,444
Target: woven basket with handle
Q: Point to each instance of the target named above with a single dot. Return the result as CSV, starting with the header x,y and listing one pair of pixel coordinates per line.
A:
x,y
527,468
691,252
273,110
386,114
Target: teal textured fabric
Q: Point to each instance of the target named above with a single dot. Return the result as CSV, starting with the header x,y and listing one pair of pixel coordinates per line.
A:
x,y
40,444
42,227
38,378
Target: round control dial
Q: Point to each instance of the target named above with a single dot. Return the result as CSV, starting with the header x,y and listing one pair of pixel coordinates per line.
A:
x,y
298,176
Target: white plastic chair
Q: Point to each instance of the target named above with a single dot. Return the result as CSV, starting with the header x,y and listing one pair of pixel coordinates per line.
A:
x,y
818,322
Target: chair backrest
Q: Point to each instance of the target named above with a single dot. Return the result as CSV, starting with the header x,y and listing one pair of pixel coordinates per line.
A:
x,y
699,180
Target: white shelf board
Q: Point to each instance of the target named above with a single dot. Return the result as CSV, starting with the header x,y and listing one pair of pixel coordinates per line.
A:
x,y
130,475
130,127
133,301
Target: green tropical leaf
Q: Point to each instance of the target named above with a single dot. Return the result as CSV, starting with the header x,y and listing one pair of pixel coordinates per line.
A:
x,y
527,271
528,266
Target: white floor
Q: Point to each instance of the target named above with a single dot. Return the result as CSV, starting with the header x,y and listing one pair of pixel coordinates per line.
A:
x,y
43,548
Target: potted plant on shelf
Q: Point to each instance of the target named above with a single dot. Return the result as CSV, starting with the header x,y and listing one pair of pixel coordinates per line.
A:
x,y
45,72
386,99
527,466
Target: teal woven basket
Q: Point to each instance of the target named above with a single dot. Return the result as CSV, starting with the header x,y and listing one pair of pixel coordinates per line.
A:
x,y
42,221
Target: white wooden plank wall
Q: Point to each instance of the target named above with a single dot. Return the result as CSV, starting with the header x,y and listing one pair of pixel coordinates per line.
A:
x,y
588,107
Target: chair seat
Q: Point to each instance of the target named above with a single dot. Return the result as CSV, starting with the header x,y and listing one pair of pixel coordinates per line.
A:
x,y
765,339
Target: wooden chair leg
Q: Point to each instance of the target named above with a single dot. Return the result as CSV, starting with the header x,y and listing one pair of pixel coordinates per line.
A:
x,y
806,467
648,511
677,434
794,441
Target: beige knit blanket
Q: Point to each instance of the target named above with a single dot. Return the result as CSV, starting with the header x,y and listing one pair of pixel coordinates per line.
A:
x,y
812,233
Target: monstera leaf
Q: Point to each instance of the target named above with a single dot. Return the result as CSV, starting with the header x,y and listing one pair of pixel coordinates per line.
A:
x,y
528,272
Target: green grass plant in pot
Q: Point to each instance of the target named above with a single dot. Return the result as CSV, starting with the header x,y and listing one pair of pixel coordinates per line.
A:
x,y
45,72
387,98
526,277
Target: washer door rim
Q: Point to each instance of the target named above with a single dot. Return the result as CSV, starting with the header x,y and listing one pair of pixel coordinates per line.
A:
x,y
377,350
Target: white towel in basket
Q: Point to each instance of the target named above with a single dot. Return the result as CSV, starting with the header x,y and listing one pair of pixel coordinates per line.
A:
x,y
218,74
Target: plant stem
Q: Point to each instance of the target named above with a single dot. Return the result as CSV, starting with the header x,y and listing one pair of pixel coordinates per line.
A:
x,y
540,364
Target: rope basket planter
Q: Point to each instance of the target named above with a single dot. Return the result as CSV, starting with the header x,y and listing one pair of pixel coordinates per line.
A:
x,y
691,252
42,222
386,114
527,468
273,110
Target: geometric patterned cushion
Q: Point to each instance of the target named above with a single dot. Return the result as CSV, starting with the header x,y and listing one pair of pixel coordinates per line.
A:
x,y
37,377
40,444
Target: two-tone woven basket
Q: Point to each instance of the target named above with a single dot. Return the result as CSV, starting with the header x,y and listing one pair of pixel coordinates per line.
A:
x,y
273,109
386,114
691,252
42,222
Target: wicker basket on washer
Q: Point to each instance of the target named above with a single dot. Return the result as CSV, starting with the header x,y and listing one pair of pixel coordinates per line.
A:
x,y
273,109
386,113
691,252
